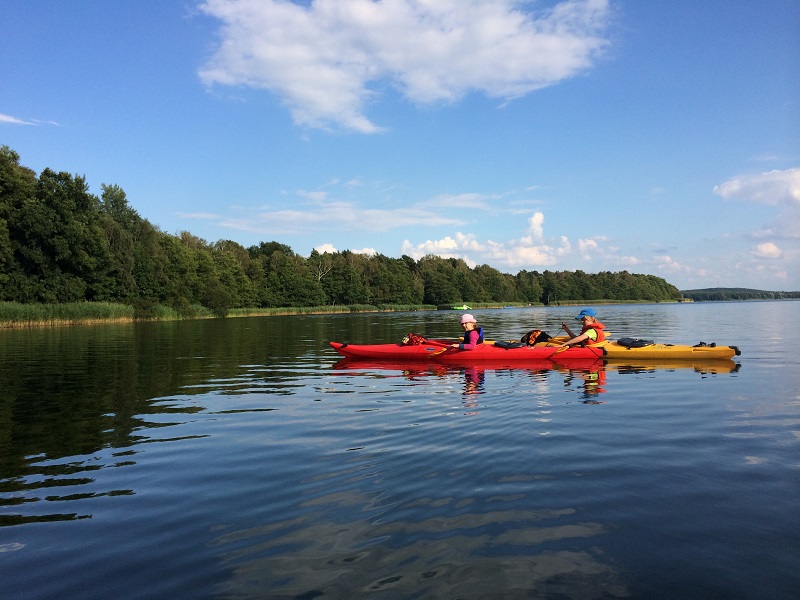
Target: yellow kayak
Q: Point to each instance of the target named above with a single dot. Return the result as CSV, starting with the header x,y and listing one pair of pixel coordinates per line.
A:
x,y
638,349
635,349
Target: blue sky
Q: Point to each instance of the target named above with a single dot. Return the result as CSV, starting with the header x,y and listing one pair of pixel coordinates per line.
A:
x,y
655,137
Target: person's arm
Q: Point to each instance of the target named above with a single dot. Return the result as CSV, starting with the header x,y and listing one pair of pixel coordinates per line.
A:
x,y
575,340
568,330
590,334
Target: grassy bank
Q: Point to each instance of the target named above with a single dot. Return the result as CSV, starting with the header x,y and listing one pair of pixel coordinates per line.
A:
x,y
326,310
14,315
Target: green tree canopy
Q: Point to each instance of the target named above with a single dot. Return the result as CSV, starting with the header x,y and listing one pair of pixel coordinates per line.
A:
x,y
60,243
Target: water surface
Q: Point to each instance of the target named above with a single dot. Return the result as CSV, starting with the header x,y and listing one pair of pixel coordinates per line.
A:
x,y
240,458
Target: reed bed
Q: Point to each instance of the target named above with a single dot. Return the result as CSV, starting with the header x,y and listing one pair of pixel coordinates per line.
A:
x,y
324,310
14,314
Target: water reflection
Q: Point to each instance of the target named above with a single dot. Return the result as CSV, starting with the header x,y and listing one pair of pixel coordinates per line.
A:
x,y
236,460
452,550
589,376
73,400
591,380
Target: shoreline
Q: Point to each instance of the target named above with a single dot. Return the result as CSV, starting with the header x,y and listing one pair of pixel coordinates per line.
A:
x,y
22,316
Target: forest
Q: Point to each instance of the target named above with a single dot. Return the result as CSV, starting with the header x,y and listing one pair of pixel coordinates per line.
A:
x,y
722,294
61,244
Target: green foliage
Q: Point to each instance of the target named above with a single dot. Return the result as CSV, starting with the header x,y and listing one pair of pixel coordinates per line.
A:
x,y
59,244
721,294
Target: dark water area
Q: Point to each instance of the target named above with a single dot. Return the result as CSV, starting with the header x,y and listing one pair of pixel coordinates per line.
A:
x,y
240,458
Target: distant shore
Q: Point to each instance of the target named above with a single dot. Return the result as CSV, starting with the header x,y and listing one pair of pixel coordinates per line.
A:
x,y
18,316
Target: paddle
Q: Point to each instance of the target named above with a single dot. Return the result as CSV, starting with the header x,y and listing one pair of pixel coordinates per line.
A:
x,y
557,350
444,346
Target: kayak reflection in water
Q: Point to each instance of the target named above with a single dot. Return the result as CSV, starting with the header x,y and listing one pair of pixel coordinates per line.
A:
x,y
473,335
473,387
473,381
593,383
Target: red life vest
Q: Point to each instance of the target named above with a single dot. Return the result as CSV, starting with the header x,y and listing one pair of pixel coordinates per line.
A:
x,y
598,327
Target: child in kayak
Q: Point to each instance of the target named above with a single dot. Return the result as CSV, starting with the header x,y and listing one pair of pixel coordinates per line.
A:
x,y
592,332
473,335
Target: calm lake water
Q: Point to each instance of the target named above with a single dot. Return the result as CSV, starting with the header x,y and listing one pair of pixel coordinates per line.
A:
x,y
240,458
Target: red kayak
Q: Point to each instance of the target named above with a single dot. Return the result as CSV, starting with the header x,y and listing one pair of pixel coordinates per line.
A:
x,y
422,367
441,352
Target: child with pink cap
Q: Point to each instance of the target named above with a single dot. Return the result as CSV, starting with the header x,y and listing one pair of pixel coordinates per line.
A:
x,y
473,335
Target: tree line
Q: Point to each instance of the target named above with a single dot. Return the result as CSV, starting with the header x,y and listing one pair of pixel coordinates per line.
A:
x,y
61,244
722,294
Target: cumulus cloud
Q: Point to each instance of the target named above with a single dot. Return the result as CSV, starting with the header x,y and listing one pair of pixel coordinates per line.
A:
x,y
767,250
323,248
528,251
773,188
327,60
586,247
536,227
667,263
331,249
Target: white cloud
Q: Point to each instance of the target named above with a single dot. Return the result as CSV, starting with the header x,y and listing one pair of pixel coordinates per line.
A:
x,y
536,226
529,251
331,249
767,250
14,120
368,251
323,248
323,215
772,188
667,262
327,59
317,196
461,201
587,247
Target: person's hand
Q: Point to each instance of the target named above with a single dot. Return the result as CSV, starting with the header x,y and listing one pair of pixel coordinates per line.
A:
x,y
564,326
454,345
